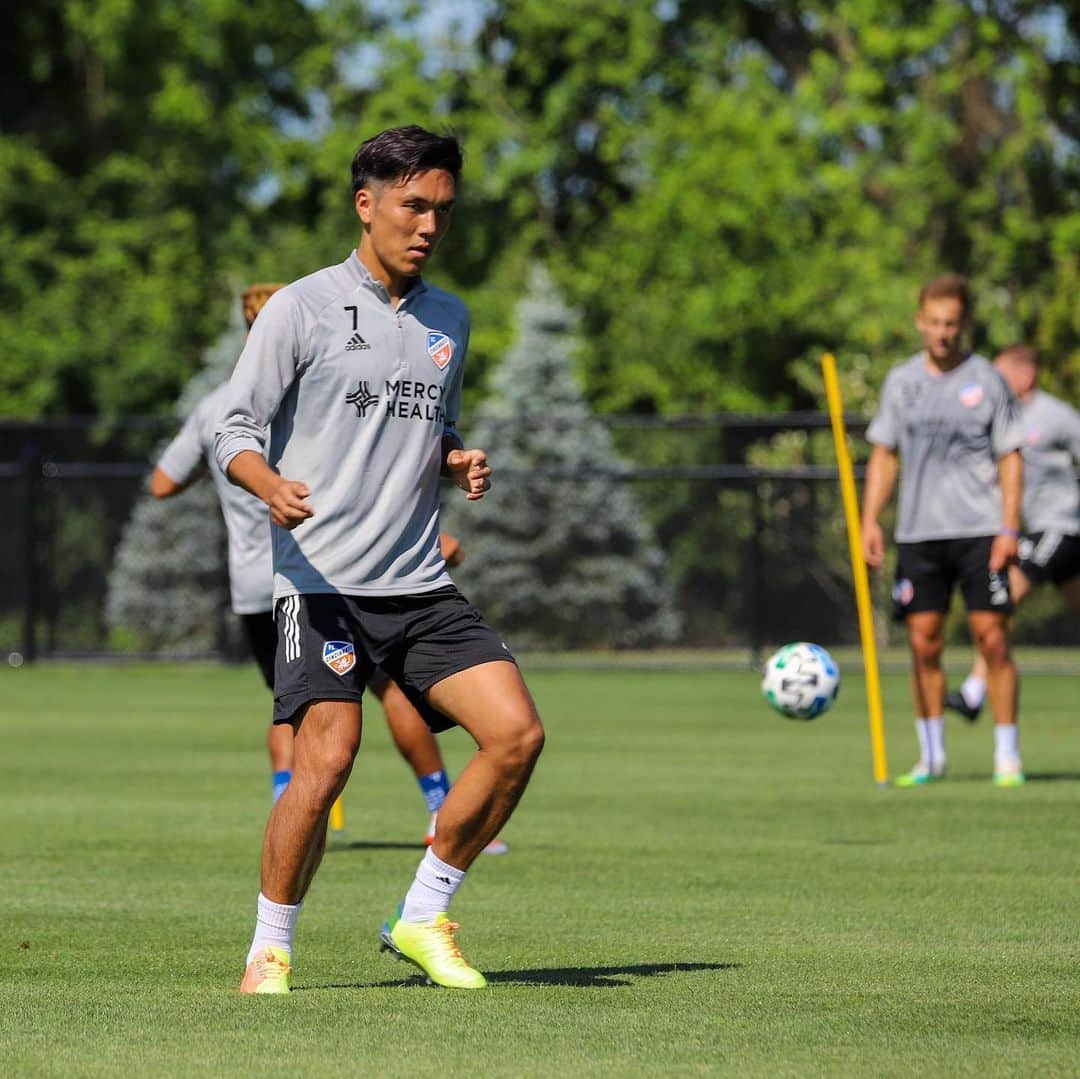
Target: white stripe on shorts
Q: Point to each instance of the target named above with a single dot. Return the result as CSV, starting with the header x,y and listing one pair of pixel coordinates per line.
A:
x,y
1046,548
290,627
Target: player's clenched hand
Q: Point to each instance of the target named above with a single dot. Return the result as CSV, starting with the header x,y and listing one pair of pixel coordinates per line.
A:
x,y
288,505
1003,552
873,544
469,470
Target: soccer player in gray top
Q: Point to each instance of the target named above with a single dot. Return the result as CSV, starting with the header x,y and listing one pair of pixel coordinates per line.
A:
x,y
1050,545
357,369
952,420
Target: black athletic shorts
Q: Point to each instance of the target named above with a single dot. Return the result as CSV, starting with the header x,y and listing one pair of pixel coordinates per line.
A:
x,y
261,635
1050,556
330,644
927,572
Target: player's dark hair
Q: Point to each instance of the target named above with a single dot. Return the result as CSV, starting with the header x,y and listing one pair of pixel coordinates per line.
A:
x,y
1020,353
401,152
950,286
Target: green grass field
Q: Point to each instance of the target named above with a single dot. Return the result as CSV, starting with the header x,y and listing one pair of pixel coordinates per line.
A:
x,y
695,886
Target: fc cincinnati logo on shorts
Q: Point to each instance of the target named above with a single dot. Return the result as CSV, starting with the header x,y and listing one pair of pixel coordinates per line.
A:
x,y
440,348
339,656
970,396
903,592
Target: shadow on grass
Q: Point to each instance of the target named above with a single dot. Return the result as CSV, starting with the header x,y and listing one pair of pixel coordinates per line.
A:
x,y
1053,777
577,977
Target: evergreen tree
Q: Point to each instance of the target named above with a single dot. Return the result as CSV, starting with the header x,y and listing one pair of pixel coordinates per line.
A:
x,y
558,554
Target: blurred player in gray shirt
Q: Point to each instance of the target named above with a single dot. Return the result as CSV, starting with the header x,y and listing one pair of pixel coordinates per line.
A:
x,y
357,369
947,424
1050,545
191,455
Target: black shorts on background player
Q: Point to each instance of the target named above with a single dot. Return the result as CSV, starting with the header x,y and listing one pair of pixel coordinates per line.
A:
x,y
261,633
927,572
1050,556
329,646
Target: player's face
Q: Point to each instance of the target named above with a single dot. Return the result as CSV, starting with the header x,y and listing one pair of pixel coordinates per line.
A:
x,y
1020,376
941,323
404,221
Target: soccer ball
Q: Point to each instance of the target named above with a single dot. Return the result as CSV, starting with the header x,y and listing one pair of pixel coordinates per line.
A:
x,y
801,680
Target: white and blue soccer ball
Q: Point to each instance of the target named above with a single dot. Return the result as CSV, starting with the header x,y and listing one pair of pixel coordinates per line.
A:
x,y
801,680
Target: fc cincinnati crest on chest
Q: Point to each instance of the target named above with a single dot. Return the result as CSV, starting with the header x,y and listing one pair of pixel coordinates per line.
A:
x,y
440,348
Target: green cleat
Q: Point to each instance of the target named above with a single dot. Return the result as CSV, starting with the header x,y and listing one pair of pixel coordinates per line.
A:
x,y
432,949
270,971
919,776
1009,775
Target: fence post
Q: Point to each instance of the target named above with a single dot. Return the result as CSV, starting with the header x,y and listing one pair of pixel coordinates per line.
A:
x,y
756,576
31,472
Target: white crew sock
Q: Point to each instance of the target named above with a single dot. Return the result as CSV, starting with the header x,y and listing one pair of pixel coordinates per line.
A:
x,y
935,727
274,925
974,691
431,891
931,735
1006,744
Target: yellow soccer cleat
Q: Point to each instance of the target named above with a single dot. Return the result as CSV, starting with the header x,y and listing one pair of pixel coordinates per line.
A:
x,y
431,948
268,972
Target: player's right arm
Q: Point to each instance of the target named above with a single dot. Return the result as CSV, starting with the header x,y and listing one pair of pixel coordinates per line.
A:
x,y
287,499
881,469
881,472
182,462
267,367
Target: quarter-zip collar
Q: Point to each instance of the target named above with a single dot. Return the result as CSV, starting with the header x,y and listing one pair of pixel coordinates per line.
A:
x,y
377,288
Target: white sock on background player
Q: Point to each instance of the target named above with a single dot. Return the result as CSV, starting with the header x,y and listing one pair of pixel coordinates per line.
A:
x,y
1006,745
931,735
973,691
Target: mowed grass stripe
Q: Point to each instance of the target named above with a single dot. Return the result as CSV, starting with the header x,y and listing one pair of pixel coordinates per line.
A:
x,y
695,886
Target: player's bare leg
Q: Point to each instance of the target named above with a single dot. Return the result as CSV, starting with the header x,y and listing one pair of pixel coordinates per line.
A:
x,y
968,700
279,744
926,636
990,629
325,744
491,702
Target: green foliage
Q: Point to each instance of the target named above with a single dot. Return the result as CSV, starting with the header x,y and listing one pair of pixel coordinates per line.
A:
x,y
558,555
724,191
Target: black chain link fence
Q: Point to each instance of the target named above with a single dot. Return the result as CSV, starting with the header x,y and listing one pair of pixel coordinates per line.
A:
x,y
756,552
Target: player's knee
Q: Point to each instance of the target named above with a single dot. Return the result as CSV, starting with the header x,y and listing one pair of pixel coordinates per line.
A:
x,y
927,648
520,744
993,645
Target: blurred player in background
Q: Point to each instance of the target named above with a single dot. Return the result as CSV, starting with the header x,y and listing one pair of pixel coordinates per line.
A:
x,y
191,455
357,369
951,419
251,579
1050,546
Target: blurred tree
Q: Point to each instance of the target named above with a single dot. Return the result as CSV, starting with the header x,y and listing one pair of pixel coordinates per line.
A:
x,y
556,557
133,136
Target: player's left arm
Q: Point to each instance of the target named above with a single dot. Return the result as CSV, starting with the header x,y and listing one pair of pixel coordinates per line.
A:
x,y
468,469
1003,551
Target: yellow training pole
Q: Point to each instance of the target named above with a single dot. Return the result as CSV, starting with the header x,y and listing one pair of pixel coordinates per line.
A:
x,y
858,569
337,816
